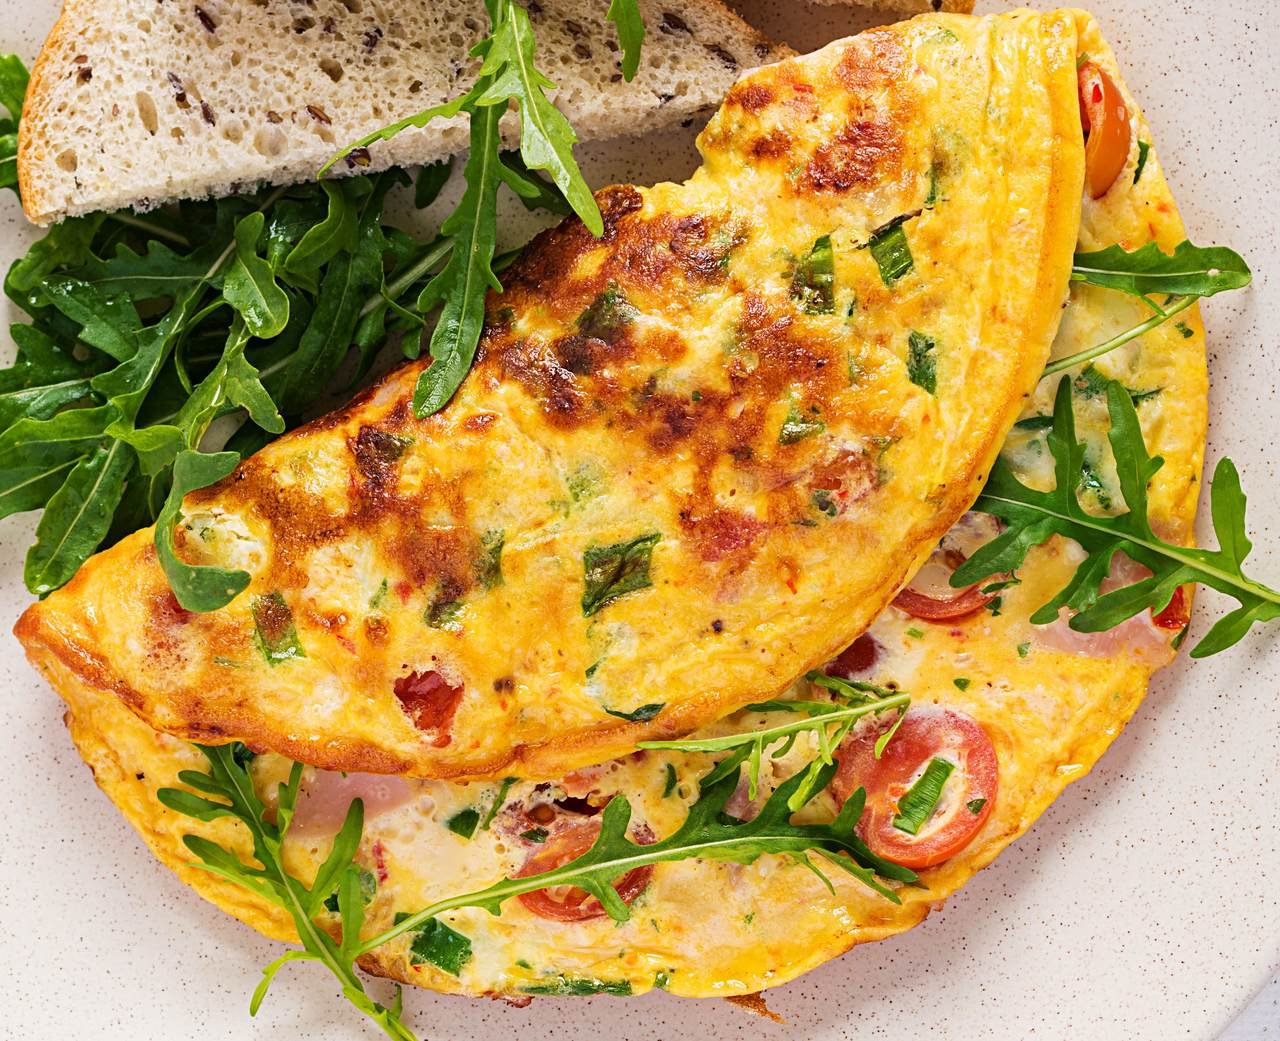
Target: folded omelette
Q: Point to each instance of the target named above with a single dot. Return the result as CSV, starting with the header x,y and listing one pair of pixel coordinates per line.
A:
x,y
1031,707
695,458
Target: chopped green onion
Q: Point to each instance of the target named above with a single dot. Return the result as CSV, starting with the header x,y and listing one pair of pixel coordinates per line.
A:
x,y
891,251
918,804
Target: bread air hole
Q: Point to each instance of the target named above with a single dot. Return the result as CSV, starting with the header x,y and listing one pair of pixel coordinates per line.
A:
x,y
147,110
67,160
332,69
269,141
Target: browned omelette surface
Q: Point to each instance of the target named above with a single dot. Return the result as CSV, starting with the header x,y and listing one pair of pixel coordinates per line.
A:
x,y
696,456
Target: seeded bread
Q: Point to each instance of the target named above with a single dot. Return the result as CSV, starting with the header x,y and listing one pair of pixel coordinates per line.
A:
x,y
134,102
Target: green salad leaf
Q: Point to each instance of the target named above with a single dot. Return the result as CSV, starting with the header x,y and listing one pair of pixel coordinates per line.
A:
x,y
13,89
226,790
1032,517
629,22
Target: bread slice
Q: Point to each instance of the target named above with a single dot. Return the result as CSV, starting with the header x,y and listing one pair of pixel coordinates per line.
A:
x,y
134,102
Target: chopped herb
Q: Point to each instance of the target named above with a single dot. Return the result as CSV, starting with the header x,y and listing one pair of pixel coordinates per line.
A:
x,y
1091,481
961,682
436,944
813,281
921,800
368,890
640,715
661,979
535,835
748,918
996,606
273,629
1144,149
1034,423
1024,649
922,363
670,785
975,805
379,598
1092,382
489,566
445,614
1184,329
608,313
797,426
523,964
499,798
824,501
696,396
586,482
891,251
464,822
916,633
566,986
610,572
592,668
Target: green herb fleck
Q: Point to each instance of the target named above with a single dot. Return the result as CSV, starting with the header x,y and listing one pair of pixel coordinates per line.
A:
x,y
1184,329
891,251
538,835
489,565
566,986
824,501
1034,423
273,629
464,822
670,785
610,572
445,614
640,715
1144,150
1024,649
961,682
799,425
436,944
922,363
661,979
921,800
379,598
608,313
975,805
916,633
813,281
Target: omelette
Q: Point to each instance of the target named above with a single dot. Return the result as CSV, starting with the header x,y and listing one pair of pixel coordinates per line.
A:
x,y
695,457
1020,710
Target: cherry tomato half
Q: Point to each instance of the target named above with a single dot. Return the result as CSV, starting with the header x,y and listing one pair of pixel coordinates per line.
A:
x,y
855,659
1105,119
966,800
569,903
1177,612
928,596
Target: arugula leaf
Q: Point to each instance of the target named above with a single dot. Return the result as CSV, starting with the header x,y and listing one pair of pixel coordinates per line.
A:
x,y
226,790
430,182
856,700
77,516
610,572
627,19
1032,517
1144,151
576,987
707,833
468,274
1188,271
13,89
197,587
250,285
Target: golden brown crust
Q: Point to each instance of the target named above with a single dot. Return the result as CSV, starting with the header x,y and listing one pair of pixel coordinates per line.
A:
x,y
783,460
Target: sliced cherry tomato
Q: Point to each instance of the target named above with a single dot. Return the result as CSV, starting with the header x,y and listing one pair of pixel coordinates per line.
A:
x,y
1177,612
930,597
569,903
855,659
1105,119
966,800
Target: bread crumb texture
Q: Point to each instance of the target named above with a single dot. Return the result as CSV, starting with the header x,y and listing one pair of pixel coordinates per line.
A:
x,y
136,102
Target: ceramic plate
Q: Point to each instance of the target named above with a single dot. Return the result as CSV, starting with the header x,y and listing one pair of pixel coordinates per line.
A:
x,y
1144,905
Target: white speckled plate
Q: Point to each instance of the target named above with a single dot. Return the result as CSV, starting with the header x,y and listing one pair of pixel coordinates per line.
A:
x,y
1144,905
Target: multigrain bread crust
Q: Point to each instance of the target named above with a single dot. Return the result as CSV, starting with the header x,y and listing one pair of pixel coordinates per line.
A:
x,y
132,103
653,417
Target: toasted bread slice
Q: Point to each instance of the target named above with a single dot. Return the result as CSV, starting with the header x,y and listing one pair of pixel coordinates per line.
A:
x,y
133,103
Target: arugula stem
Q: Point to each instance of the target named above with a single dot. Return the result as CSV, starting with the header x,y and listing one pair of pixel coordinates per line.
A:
x,y
1179,305
150,227
771,734
437,250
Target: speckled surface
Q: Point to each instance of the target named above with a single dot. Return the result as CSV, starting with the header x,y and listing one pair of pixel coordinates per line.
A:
x,y
1144,905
